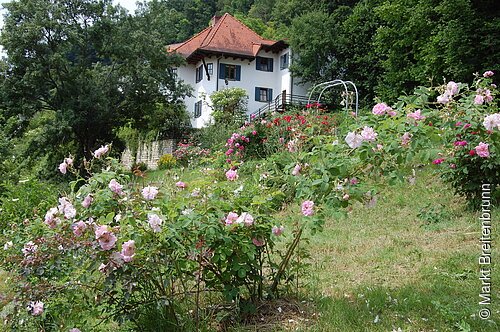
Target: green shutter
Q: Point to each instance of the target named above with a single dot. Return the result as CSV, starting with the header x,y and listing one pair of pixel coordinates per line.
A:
x,y
222,71
270,67
257,94
238,73
270,94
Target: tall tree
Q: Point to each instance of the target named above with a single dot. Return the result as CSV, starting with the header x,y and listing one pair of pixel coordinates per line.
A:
x,y
86,68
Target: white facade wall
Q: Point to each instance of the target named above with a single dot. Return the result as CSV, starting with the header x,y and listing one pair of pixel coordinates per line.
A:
x,y
278,80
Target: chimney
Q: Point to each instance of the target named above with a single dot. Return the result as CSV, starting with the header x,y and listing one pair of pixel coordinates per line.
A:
x,y
215,19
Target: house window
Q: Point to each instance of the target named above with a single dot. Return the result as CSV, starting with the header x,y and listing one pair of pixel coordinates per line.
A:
x,y
197,109
284,61
210,68
263,94
199,73
229,72
173,71
264,64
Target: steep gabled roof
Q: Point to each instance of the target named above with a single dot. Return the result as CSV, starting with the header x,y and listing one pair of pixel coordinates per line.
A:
x,y
226,36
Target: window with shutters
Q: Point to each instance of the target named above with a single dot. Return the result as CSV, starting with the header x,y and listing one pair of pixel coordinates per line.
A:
x,y
229,72
197,109
264,64
210,68
199,74
284,61
263,94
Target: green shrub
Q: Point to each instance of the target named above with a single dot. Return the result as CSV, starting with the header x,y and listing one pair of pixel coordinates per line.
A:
x,y
167,161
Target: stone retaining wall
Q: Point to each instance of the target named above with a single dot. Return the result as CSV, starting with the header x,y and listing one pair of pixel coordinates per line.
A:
x,y
148,153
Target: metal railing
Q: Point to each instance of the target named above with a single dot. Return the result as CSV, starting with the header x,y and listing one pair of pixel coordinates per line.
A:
x,y
279,104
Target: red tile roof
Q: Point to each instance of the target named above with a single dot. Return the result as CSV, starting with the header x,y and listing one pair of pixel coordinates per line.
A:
x,y
227,36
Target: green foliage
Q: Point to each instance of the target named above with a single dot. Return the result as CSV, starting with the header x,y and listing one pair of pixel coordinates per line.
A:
x,y
167,161
229,105
115,66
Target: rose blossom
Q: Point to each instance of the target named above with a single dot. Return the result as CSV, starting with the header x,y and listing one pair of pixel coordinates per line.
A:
x,y
354,140
381,109
35,308
79,227
149,193
50,218
460,143
87,201
492,121
258,242
488,73
105,237
246,219
482,150
65,207
478,100
296,170
29,248
180,185
308,208
443,99
438,161
369,134
62,167
75,330
232,175
231,218
452,88
115,187
101,151
405,139
128,251
416,116
278,230
155,222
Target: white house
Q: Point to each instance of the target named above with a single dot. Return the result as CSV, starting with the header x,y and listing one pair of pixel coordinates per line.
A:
x,y
229,54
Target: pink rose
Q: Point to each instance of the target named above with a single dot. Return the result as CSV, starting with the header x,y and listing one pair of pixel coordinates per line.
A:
x,y
278,230
381,109
478,100
101,151
488,73
354,140
296,170
36,308
258,242
79,227
128,250
231,218
87,201
115,187
180,185
149,193
232,175
482,150
308,208
105,237
438,161
63,167
246,219
155,222
369,134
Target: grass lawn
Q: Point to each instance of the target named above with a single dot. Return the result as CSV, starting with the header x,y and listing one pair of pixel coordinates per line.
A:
x,y
410,263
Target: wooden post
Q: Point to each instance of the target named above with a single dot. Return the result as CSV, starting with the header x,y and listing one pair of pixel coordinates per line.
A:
x,y
283,100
